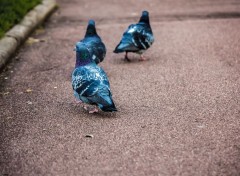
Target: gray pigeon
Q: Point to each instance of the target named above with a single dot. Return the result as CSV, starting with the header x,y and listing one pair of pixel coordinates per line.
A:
x,y
90,83
93,42
137,38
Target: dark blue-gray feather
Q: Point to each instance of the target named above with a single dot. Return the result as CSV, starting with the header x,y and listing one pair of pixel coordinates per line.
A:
x,y
96,48
94,43
137,38
91,85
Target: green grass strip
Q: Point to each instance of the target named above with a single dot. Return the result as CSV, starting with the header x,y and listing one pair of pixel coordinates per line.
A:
x,y
12,12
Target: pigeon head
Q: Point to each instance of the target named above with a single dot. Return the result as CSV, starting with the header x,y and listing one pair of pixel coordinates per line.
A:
x,y
91,29
145,17
83,56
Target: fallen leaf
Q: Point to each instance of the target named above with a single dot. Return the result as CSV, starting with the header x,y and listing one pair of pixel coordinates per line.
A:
x,y
143,126
40,30
89,136
29,102
32,40
134,14
42,40
6,93
29,90
201,126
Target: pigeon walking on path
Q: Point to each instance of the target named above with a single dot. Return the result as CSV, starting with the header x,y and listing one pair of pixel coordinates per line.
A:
x,y
94,43
137,38
90,82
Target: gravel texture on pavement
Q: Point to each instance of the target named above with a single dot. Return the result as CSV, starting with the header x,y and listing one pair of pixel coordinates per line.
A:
x,y
178,112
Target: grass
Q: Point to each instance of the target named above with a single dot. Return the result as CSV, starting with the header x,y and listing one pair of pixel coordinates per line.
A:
x,y
12,12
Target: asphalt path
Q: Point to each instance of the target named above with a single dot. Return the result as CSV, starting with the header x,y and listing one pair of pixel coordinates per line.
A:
x,y
178,112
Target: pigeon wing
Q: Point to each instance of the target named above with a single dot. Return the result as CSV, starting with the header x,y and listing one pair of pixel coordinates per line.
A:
x,y
142,37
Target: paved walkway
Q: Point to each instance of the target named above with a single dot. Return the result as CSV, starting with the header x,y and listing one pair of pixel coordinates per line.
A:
x,y
178,112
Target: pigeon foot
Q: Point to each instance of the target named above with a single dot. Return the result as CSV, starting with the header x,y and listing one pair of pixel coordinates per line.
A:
x,y
126,59
90,110
93,111
85,107
78,101
142,58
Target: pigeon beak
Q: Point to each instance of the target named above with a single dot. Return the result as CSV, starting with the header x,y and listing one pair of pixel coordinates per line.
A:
x,y
74,49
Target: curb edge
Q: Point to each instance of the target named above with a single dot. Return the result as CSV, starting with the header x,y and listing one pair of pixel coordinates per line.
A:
x,y
15,37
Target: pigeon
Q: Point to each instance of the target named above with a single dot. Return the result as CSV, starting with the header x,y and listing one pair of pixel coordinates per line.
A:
x,y
90,83
94,43
137,38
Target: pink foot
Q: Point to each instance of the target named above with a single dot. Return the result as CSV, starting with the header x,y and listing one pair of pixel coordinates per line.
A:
x,y
85,107
90,109
93,111
142,58
78,101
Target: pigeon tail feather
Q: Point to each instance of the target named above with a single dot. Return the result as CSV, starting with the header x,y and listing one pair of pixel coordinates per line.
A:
x,y
108,108
120,48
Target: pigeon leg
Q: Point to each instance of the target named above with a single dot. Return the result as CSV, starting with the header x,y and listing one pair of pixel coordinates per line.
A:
x,y
90,110
126,57
93,110
85,107
78,101
142,58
